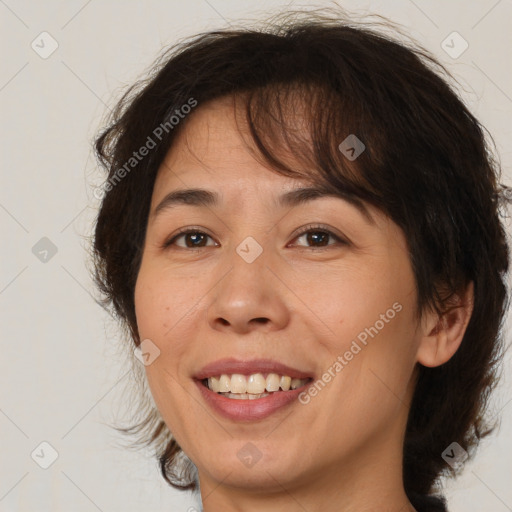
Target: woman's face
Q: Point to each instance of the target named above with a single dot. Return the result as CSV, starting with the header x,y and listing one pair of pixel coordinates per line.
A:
x,y
251,292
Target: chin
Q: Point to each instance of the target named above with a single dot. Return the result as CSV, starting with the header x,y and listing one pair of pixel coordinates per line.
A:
x,y
262,476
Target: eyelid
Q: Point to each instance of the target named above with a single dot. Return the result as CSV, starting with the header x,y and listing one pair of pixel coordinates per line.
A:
x,y
299,232
188,229
321,228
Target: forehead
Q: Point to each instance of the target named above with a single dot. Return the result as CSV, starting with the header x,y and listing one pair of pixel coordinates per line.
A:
x,y
213,162
215,148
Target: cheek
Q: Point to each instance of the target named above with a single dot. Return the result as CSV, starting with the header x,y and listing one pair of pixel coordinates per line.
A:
x,y
372,333
378,365
362,306
166,311
158,311
162,303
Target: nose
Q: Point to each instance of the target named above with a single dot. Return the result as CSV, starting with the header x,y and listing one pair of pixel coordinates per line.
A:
x,y
249,297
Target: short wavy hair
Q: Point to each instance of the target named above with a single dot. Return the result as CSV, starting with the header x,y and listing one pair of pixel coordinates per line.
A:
x,y
428,165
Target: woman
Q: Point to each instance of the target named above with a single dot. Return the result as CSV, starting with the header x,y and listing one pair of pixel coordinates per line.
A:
x,y
301,231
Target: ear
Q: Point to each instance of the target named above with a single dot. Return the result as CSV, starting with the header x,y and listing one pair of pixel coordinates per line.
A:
x,y
442,335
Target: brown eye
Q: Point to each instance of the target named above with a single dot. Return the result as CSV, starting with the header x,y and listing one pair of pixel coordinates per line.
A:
x,y
315,236
192,239
319,236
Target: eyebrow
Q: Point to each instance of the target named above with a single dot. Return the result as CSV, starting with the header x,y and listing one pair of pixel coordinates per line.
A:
x,y
207,198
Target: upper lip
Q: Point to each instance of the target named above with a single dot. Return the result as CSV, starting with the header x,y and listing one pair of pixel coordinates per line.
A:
x,y
231,365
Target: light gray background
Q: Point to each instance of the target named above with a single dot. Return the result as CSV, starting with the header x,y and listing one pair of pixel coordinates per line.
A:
x,y
63,375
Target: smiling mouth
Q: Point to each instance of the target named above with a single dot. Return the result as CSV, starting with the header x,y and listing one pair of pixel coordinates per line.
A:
x,y
254,386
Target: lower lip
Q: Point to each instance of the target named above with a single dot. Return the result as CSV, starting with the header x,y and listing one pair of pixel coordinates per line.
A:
x,y
248,410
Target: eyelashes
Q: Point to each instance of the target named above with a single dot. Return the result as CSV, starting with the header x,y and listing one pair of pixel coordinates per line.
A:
x,y
312,230
183,233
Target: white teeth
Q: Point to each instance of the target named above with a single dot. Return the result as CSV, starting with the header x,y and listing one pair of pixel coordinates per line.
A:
x,y
238,383
253,386
256,384
284,383
296,383
273,381
224,384
213,384
244,396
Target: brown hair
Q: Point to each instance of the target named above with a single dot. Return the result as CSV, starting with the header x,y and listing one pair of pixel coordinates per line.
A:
x,y
427,165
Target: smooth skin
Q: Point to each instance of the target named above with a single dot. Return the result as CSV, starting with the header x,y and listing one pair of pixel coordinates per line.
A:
x,y
301,302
